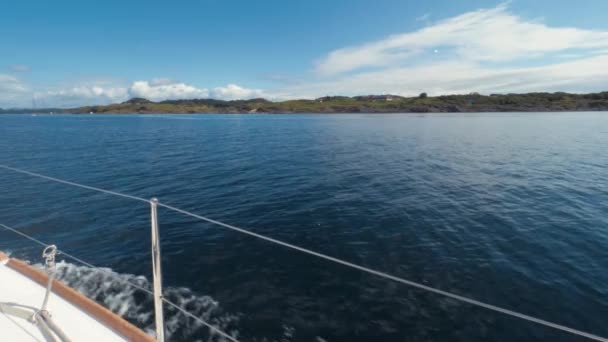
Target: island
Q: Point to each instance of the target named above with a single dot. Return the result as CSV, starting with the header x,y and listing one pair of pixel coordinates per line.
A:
x,y
473,102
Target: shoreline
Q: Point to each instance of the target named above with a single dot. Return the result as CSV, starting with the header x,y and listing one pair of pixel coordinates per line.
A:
x,y
369,104
306,113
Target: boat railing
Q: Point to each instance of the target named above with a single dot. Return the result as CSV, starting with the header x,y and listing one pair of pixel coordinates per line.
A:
x,y
159,299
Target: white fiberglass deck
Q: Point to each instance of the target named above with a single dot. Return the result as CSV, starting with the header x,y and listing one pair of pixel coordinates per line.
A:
x,y
19,289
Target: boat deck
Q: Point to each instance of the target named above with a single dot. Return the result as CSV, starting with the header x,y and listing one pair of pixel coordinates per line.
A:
x,y
77,324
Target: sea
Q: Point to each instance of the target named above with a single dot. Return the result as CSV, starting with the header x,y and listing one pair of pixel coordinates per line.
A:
x,y
507,208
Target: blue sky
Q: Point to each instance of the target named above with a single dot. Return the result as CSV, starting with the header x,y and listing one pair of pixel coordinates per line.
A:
x,y
69,53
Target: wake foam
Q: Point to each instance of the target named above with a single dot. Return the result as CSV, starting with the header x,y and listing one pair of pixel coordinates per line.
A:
x,y
110,289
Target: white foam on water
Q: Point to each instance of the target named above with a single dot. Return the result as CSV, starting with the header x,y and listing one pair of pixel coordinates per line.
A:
x,y
110,289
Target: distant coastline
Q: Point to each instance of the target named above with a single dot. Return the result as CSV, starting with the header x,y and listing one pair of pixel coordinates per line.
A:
x,y
529,102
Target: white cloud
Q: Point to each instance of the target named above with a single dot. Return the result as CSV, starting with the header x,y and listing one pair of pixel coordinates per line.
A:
x,y
485,51
235,92
155,90
486,35
163,89
159,89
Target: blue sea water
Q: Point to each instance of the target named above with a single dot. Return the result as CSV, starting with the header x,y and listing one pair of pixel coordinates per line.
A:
x,y
509,208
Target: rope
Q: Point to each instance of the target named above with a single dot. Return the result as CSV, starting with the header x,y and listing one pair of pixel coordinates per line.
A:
x,y
125,281
114,193
394,278
339,261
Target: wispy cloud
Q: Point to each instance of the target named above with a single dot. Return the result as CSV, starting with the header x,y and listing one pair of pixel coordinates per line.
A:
x,y
456,77
13,92
486,51
482,36
425,17
80,95
10,83
19,68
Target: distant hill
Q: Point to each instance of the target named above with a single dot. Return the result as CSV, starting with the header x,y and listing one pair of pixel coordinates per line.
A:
x,y
530,102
